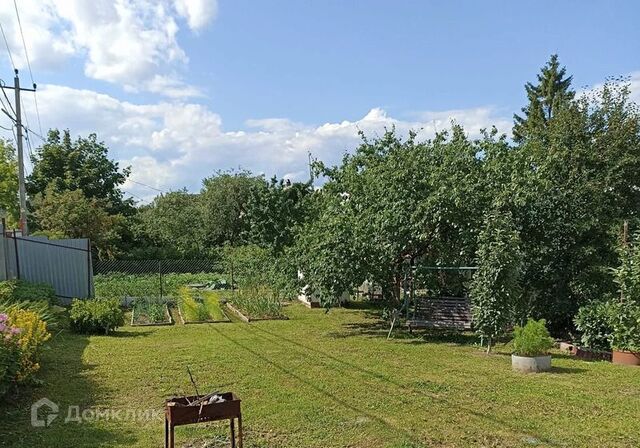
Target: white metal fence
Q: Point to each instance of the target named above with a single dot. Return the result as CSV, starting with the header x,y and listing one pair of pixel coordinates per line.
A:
x,y
64,264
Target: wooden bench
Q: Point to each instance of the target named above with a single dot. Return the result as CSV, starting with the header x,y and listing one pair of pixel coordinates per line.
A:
x,y
447,313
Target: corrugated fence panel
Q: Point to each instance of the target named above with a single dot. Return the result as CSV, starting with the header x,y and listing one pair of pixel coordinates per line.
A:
x,y
64,264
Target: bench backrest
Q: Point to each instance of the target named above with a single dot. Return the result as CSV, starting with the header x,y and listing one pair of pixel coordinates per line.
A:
x,y
451,312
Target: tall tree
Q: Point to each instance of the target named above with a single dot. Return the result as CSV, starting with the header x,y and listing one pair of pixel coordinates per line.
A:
x,y
9,181
69,214
274,210
552,92
224,201
174,221
83,164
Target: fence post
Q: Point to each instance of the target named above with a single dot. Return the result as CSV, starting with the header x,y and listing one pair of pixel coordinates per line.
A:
x,y
160,272
88,268
15,246
4,272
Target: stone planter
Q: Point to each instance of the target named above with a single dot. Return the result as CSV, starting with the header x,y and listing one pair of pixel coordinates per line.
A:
x,y
531,364
626,358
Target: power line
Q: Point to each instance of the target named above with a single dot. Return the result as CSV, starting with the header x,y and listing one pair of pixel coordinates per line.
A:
x,y
6,43
26,55
145,185
24,45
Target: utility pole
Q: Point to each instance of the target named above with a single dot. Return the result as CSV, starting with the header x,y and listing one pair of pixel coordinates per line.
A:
x,y
18,122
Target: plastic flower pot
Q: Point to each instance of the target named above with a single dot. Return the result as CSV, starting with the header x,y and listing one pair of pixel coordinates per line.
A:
x,y
531,364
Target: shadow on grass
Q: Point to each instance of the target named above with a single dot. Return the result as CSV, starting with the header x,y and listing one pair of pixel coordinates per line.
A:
x,y
434,388
65,382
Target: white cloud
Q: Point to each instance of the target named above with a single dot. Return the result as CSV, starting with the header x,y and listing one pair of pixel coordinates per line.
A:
x,y
170,145
199,13
132,43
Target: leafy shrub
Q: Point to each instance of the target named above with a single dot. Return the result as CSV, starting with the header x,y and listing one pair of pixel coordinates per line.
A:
x,y
593,321
20,291
9,355
30,339
96,315
625,322
495,288
533,339
52,315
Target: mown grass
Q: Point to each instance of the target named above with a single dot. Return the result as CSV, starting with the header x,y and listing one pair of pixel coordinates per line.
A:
x,y
327,380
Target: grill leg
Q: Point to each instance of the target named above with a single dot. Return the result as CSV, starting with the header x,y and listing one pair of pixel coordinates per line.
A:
x,y
233,432
240,431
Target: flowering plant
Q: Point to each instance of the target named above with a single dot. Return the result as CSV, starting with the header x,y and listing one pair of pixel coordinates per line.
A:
x,y
9,354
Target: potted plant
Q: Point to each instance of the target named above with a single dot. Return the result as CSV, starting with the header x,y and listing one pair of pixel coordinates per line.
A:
x,y
625,337
531,345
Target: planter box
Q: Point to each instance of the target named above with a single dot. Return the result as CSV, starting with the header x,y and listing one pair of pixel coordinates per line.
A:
x,y
247,319
531,364
169,320
626,358
190,322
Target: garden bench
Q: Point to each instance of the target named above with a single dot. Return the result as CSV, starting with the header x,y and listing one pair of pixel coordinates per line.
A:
x,y
447,313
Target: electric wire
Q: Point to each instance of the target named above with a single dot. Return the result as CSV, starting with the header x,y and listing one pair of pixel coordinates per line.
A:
x,y
26,55
6,43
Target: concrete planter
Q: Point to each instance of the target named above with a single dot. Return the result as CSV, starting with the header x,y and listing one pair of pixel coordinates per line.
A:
x,y
531,364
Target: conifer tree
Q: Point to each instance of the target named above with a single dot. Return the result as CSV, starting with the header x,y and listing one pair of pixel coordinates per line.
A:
x,y
552,92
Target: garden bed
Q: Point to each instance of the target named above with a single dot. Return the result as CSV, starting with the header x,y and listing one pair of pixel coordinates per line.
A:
x,y
150,311
200,307
247,317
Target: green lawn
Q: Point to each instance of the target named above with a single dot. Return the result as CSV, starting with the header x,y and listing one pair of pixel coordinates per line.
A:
x,y
327,380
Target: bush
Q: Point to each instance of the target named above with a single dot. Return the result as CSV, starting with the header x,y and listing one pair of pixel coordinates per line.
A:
x,y
52,315
625,323
30,339
9,356
593,321
20,291
96,315
533,339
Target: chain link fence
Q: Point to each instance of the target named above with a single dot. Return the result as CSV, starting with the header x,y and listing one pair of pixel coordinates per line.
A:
x,y
155,278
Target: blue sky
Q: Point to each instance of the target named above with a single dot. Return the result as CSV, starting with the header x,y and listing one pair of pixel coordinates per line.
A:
x,y
181,88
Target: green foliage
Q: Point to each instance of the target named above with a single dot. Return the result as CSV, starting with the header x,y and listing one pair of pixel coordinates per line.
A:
x,y
96,315
625,323
20,290
9,365
393,200
275,210
36,297
69,214
627,274
224,199
552,93
257,302
166,220
9,181
594,323
149,310
65,165
495,288
533,339
120,285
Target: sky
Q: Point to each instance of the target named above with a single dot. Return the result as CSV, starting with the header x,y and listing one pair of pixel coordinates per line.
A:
x,y
179,89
